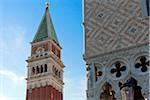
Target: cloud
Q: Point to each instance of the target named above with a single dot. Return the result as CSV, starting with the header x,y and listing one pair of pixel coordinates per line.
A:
x,y
14,47
13,51
12,76
4,98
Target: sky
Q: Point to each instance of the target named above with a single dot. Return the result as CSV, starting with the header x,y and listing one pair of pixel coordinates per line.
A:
x,y
19,20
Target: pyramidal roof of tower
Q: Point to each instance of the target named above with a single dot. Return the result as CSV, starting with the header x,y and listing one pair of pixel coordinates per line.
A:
x,y
46,28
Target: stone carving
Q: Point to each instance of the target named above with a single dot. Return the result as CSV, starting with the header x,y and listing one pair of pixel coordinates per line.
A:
x,y
98,71
118,69
130,90
143,63
127,59
108,93
89,77
116,36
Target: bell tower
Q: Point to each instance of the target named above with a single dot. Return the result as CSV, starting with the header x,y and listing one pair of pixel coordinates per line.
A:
x,y
45,68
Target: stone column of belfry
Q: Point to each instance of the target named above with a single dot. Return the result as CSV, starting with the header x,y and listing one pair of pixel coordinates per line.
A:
x,y
116,38
45,68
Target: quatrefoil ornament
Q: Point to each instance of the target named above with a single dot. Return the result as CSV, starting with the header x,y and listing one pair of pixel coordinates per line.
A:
x,y
143,63
119,68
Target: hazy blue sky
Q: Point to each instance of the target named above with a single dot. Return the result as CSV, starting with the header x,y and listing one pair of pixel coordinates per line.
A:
x,y
19,20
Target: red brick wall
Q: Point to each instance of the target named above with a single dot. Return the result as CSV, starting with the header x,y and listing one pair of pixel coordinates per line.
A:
x,y
34,48
45,46
44,93
55,49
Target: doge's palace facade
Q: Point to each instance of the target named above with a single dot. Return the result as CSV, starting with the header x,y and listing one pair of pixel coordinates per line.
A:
x,y
116,34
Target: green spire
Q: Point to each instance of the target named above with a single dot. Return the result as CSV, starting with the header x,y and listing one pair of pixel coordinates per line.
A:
x,y
46,28
42,32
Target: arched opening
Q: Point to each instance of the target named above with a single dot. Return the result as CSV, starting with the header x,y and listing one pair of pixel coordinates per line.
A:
x,y
107,92
45,68
33,70
56,72
41,68
37,69
53,48
53,68
58,54
59,75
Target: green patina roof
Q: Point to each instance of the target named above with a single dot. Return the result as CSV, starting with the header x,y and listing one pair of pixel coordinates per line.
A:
x,y
44,28
42,32
53,33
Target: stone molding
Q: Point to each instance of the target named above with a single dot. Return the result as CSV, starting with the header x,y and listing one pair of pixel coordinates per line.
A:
x,y
128,56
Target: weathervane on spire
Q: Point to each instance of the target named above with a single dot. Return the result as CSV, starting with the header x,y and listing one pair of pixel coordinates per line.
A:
x,y
47,3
